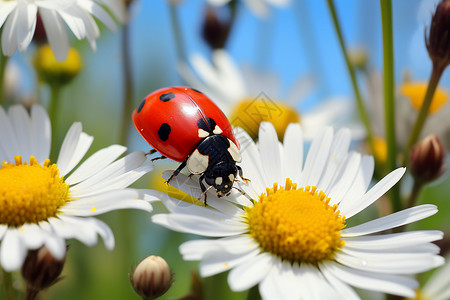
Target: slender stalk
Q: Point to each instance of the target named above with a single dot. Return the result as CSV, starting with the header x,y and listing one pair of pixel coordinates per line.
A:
x,y
360,104
178,37
53,107
128,85
417,187
3,63
31,294
436,74
7,286
253,293
389,96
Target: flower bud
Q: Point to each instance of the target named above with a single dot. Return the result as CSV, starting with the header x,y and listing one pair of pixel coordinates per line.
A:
x,y
52,71
427,159
358,57
214,30
152,277
438,40
40,269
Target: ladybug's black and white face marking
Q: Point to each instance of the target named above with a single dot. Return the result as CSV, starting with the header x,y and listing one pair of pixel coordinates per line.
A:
x,y
164,131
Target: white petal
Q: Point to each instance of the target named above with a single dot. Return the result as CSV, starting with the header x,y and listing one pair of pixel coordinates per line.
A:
x,y
270,153
345,178
40,133
199,225
13,251
98,12
281,282
293,152
56,33
73,148
345,291
31,235
350,209
251,272
95,163
21,124
400,218
437,286
218,261
27,24
392,284
5,9
9,34
315,285
317,158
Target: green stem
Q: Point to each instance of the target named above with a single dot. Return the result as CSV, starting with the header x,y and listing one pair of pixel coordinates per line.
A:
x,y
177,33
3,63
436,74
253,293
389,96
360,104
53,107
128,85
417,187
7,286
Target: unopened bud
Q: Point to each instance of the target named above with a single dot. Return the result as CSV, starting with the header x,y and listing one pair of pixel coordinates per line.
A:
x,y
358,57
427,159
438,41
215,31
40,269
52,71
152,277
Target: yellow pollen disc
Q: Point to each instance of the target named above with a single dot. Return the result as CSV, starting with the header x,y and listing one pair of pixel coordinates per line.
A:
x,y
415,91
419,296
30,193
297,225
249,113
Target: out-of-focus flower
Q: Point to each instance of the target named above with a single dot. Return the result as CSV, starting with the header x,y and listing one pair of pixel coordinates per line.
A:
x,y
18,20
43,204
215,30
152,277
408,101
438,40
248,96
287,233
258,7
437,287
52,71
427,159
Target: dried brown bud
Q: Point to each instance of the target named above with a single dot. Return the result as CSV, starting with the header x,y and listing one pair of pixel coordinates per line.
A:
x,y
214,30
427,159
438,41
152,277
40,269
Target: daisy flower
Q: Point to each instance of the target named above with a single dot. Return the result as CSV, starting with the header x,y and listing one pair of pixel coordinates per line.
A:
x,y
289,235
258,7
248,97
437,287
18,22
43,203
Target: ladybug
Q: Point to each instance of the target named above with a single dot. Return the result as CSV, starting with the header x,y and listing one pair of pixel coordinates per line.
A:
x,y
183,124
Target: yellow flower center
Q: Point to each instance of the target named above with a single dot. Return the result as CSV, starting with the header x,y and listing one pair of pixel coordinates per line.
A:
x,y
30,193
298,225
380,148
419,296
249,113
415,91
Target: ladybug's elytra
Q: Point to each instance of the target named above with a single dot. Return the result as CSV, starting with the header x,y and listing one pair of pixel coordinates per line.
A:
x,y
183,124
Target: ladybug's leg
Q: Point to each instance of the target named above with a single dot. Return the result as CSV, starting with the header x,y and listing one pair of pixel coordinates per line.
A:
x,y
157,158
177,171
204,189
246,180
151,152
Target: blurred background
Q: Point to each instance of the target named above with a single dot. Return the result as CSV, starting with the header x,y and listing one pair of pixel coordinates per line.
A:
x,y
294,41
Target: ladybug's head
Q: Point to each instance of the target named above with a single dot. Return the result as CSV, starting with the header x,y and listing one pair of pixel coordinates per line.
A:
x,y
221,176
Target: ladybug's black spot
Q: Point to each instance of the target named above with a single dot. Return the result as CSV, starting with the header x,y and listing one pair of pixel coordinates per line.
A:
x,y
164,131
197,91
209,125
167,97
141,106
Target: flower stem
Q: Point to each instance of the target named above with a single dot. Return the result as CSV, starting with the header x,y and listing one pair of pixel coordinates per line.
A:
x,y
436,74
389,97
7,287
3,63
31,294
55,90
128,85
417,187
253,293
360,104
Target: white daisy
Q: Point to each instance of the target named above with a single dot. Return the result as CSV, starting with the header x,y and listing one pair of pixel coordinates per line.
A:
x,y
248,96
45,204
18,22
258,7
437,287
292,241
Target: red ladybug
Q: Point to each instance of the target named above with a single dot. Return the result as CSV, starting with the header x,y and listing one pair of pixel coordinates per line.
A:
x,y
183,124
